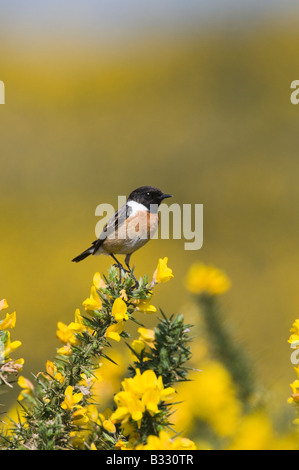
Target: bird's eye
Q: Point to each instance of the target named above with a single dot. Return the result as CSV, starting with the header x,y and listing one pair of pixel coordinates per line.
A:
x,y
148,194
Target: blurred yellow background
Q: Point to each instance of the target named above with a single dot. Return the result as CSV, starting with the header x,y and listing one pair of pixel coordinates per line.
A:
x,y
206,116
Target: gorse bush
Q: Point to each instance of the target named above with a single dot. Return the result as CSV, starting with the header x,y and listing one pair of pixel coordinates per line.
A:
x,y
59,408
92,397
8,367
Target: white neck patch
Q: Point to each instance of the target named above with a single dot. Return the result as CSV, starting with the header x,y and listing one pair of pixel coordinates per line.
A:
x,y
136,207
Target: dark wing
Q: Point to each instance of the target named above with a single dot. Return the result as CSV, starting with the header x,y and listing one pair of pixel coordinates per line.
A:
x,y
111,227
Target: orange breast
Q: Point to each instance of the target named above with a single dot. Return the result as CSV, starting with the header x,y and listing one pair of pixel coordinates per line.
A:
x,y
142,225
132,234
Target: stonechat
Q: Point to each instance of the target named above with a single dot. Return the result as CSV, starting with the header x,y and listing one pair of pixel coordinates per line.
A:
x,y
130,228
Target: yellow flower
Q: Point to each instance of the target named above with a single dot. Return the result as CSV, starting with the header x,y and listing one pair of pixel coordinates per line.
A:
x,y
119,310
71,399
145,306
295,327
164,442
138,346
113,331
79,319
8,322
65,350
98,281
295,333
52,372
3,304
141,383
163,273
9,346
27,387
141,392
80,416
106,421
93,302
51,368
295,386
120,445
109,426
146,338
146,335
66,333
294,398
202,279
59,377
128,405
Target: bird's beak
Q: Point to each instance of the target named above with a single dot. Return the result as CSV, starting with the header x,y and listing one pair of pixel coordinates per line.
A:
x,y
165,196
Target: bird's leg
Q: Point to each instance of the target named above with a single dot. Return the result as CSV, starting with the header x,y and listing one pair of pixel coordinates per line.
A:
x,y
127,261
119,266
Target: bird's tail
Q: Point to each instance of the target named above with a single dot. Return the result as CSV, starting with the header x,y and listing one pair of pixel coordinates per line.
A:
x,y
84,255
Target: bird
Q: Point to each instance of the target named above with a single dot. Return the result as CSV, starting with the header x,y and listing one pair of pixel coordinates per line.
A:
x,y
130,228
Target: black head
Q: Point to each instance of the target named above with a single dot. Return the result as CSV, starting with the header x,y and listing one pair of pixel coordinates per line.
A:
x,y
148,195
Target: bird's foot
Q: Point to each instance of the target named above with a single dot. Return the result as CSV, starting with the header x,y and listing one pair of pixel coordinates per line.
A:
x,y
121,269
131,271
